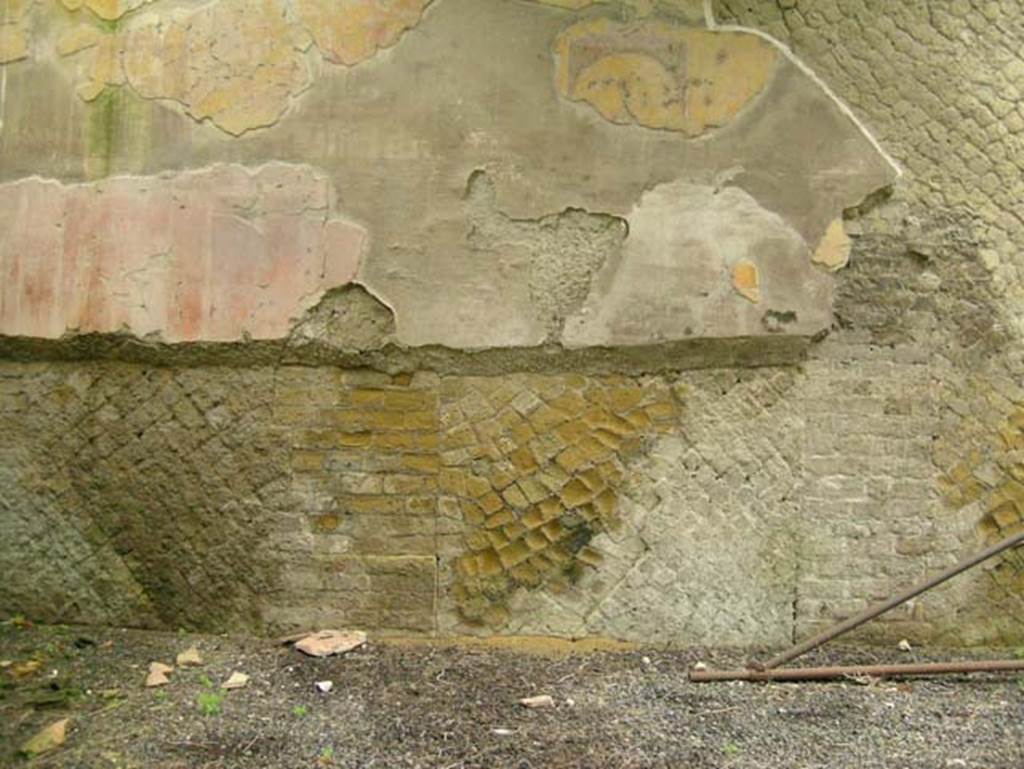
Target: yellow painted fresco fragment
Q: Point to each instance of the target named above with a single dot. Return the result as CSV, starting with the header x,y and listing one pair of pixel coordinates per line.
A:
x,y
631,88
108,10
13,43
350,31
78,39
661,75
237,63
746,280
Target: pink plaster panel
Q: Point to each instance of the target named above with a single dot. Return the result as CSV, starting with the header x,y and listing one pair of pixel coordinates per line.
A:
x,y
217,254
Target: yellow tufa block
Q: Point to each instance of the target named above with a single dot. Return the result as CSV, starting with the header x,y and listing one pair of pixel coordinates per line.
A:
x,y
488,563
532,518
472,513
501,518
571,459
575,493
514,554
590,556
490,503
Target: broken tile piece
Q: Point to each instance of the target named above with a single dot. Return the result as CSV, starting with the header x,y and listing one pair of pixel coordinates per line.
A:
x,y
158,674
235,681
51,737
189,657
540,701
327,642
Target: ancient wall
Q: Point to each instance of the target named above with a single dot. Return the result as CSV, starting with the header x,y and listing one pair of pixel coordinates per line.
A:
x,y
655,319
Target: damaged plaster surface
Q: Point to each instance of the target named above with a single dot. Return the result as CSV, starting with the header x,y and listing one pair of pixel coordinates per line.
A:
x,y
239,64
746,261
561,146
688,10
220,254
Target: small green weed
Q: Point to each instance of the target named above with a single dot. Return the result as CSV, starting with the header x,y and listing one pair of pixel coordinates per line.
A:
x,y
209,703
300,711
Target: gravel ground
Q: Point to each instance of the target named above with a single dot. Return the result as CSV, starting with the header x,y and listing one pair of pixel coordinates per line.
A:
x,y
414,705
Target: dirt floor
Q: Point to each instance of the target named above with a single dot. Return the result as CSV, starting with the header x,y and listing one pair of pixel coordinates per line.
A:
x,y
414,705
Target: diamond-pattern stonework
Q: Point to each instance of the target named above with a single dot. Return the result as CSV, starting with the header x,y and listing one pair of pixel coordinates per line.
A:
x,y
983,480
157,497
532,466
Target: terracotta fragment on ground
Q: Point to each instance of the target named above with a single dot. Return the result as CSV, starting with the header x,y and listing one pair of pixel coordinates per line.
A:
x,y
235,681
189,657
23,669
327,642
51,737
158,673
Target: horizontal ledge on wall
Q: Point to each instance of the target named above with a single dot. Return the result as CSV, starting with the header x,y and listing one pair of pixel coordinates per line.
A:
x,y
702,353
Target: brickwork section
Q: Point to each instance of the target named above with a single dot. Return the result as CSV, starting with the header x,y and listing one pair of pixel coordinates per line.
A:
x,y
776,502
908,393
929,309
364,461
982,463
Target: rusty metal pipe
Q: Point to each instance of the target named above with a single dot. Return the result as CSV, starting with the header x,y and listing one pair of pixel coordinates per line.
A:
x,y
844,671
856,621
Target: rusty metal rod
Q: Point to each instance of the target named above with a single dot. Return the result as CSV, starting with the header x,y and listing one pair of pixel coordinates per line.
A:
x,y
843,671
872,612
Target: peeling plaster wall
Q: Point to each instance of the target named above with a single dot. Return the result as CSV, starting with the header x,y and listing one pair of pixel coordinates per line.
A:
x,y
217,255
580,317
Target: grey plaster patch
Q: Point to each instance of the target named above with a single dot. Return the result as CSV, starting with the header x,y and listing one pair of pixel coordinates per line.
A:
x,y
674,277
